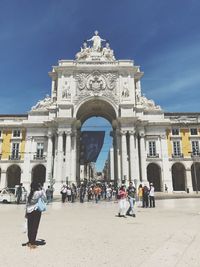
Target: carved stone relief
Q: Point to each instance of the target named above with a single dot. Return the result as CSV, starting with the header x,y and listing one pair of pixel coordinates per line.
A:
x,y
96,81
125,90
66,90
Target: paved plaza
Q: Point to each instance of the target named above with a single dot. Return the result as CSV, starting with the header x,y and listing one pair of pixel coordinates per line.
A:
x,y
89,234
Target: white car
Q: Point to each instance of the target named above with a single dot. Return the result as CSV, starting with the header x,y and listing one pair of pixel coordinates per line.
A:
x,y
8,195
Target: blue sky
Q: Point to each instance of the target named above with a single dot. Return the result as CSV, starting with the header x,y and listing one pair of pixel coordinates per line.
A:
x,y
163,37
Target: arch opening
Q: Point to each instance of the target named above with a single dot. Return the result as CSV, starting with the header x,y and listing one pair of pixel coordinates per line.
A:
x,y
154,175
195,172
178,177
13,174
39,174
95,136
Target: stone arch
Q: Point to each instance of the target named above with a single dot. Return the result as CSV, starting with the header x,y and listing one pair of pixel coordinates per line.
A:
x,y
39,174
195,172
154,175
92,107
13,175
178,177
96,107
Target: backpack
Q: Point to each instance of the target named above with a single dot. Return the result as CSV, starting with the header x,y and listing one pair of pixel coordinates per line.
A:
x,y
41,205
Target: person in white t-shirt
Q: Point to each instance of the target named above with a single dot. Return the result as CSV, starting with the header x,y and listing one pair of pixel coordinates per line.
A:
x,y
151,196
33,215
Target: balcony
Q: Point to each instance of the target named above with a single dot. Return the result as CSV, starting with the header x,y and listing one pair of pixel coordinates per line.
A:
x,y
177,156
153,155
14,157
195,154
39,157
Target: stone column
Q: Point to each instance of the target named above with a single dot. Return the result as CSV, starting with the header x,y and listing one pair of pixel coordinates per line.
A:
x,y
73,158
189,180
68,156
143,158
136,159
111,164
26,179
118,158
125,173
166,176
3,182
49,159
59,163
132,161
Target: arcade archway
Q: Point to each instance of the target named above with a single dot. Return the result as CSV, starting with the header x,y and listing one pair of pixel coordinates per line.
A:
x,y
89,111
39,174
195,172
13,175
178,177
154,175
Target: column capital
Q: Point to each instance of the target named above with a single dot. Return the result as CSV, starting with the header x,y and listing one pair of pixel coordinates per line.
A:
x,y
132,132
142,134
68,132
49,135
59,132
123,132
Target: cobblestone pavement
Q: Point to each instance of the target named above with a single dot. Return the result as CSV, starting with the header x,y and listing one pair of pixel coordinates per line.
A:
x,y
89,234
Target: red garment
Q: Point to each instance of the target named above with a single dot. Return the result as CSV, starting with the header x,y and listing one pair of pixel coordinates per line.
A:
x,y
122,194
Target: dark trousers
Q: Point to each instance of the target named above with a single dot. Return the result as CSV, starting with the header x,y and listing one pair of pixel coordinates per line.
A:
x,y
33,224
145,201
64,195
152,201
18,199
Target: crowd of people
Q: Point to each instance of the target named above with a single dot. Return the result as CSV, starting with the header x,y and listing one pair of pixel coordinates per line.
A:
x,y
95,192
87,192
143,196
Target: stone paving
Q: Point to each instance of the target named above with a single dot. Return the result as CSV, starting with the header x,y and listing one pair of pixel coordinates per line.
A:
x,y
89,234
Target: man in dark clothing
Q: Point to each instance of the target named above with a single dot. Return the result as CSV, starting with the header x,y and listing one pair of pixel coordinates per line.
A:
x,y
145,199
131,190
19,193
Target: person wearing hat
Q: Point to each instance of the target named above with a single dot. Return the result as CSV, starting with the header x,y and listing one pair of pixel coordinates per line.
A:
x,y
151,196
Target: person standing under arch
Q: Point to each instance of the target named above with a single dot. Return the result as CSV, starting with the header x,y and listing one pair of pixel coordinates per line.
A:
x,y
33,215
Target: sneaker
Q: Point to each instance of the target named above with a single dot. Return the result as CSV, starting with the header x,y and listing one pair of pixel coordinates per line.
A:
x,y
134,215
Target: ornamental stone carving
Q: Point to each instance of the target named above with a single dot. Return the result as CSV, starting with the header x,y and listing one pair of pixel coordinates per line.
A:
x,y
96,81
125,91
148,104
43,104
66,91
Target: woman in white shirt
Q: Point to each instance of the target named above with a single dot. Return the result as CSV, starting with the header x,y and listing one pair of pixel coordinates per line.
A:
x,y
33,215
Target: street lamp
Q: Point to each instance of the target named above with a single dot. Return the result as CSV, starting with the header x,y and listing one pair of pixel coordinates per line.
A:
x,y
195,155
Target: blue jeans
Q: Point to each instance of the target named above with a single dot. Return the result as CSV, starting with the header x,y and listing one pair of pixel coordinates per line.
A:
x,y
131,201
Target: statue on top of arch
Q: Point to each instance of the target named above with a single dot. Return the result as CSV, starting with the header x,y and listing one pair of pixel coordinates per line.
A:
x,y
148,104
43,104
96,51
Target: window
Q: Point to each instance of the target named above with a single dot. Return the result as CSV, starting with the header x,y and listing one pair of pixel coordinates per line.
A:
x,y
40,150
175,131
195,148
16,133
177,148
193,131
152,148
15,151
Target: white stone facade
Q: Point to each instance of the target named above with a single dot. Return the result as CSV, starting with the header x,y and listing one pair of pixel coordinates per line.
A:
x,y
96,84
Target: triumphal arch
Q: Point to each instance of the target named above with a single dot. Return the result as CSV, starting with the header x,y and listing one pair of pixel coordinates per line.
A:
x,y
95,83
149,145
